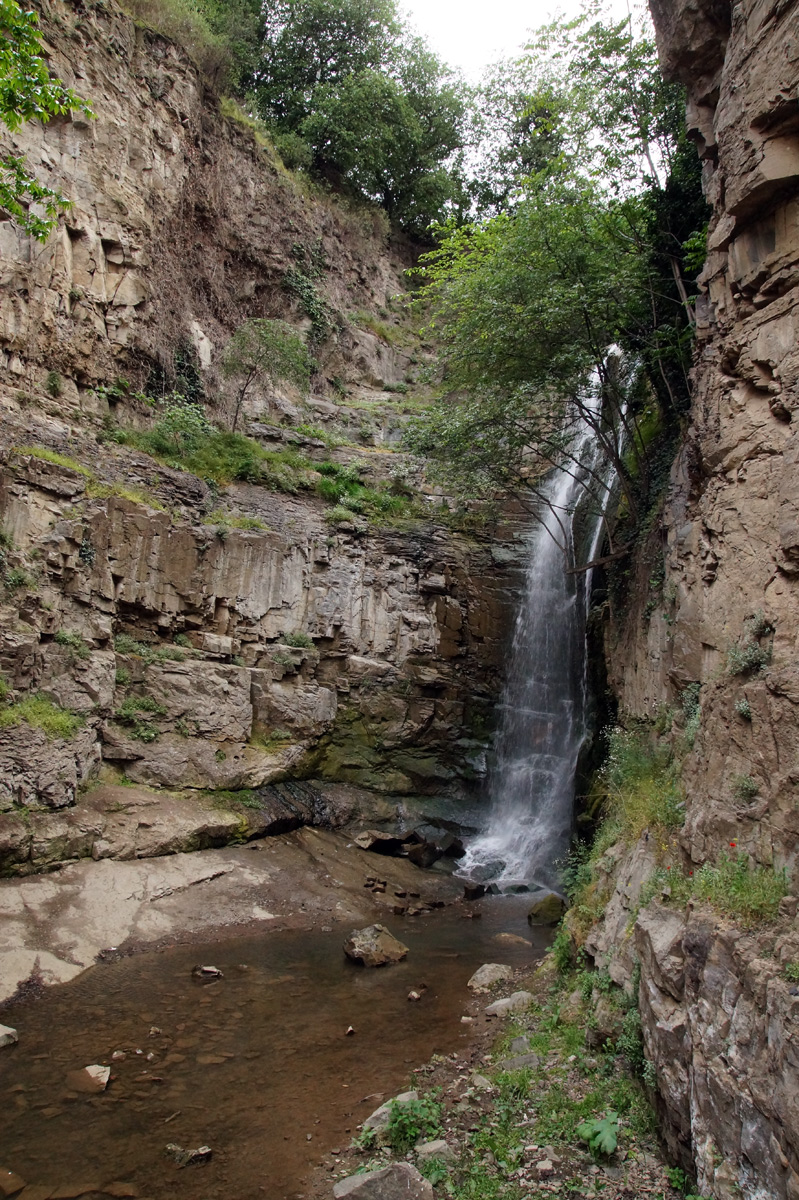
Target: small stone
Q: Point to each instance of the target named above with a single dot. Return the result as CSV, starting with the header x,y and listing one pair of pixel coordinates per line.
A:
x,y
91,1079
509,1004
10,1183
118,1056
350,1031
414,996
440,1149
207,973
519,1062
489,974
8,1036
379,1119
520,1045
187,1158
545,1168
480,1083
155,1031
467,1020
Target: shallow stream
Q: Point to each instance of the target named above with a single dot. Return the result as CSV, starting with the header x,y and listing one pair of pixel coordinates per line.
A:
x,y
257,1065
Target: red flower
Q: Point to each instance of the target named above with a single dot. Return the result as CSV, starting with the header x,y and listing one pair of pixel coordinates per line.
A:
x,y
733,844
690,872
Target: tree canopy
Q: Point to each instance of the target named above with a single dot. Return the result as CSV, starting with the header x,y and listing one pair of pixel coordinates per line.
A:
x,y
590,191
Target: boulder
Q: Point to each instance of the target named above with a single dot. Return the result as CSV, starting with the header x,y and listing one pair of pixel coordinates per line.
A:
x,y
374,946
518,1062
8,1036
380,1117
400,1181
379,843
509,1004
489,974
547,908
438,1149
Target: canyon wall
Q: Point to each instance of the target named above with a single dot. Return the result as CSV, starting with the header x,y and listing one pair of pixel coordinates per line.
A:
x,y
363,653
717,1004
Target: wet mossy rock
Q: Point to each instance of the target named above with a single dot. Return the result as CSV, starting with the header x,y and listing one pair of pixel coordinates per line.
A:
x,y
374,946
547,908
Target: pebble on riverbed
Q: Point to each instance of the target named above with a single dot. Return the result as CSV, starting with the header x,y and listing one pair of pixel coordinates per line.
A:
x,y
8,1036
189,1158
206,973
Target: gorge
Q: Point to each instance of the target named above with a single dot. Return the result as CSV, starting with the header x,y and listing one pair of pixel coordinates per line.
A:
x,y
218,672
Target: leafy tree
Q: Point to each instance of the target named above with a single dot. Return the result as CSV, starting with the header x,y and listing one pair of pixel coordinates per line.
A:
x,y
26,92
390,136
263,351
309,44
587,254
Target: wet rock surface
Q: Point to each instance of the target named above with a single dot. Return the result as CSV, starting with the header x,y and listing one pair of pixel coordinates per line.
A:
x,y
374,946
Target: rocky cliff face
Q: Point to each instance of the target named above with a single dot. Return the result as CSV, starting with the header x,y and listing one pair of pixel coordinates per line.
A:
x,y
364,655
717,1005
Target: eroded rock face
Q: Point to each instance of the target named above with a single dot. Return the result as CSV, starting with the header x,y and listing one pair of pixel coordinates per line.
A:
x,y
717,1009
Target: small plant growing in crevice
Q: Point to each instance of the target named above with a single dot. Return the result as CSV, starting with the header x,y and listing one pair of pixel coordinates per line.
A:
x,y
791,972
743,709
130,714
299,640
74,643
748,655
745,788
52,384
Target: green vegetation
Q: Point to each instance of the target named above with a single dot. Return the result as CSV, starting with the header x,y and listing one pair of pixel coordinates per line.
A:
x,y
745,788
749,655
147,651
299,639
601,1134
412,1121
27,91
52,384
130,714
101,491
637,790
41,713
791,972
733,886
264,352
51,456
595,188
74,643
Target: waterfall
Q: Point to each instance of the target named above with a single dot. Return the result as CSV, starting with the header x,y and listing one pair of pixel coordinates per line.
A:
x,y
543,707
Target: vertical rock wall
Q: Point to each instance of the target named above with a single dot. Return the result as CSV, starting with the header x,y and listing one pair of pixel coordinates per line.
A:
x,y
717,1003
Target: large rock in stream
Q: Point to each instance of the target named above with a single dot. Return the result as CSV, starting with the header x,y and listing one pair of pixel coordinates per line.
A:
x,y
374,946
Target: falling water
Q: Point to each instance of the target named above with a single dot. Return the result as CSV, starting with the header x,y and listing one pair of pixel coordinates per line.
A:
x,y
543,708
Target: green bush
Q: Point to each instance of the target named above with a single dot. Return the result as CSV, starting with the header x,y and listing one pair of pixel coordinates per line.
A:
x,y
409,1122
74,643
747,655
743,709
745,788
299,639
130,714
735,888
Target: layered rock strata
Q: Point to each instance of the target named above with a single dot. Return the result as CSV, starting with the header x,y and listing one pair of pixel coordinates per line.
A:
x,y
717,1004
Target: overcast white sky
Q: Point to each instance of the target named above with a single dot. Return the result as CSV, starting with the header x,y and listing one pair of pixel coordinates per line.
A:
x,y
470,33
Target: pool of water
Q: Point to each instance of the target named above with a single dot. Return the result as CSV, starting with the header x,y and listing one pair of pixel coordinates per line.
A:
x,y
257,1065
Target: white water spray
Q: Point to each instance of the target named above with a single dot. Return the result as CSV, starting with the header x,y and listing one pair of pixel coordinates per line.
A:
x,y
543,708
